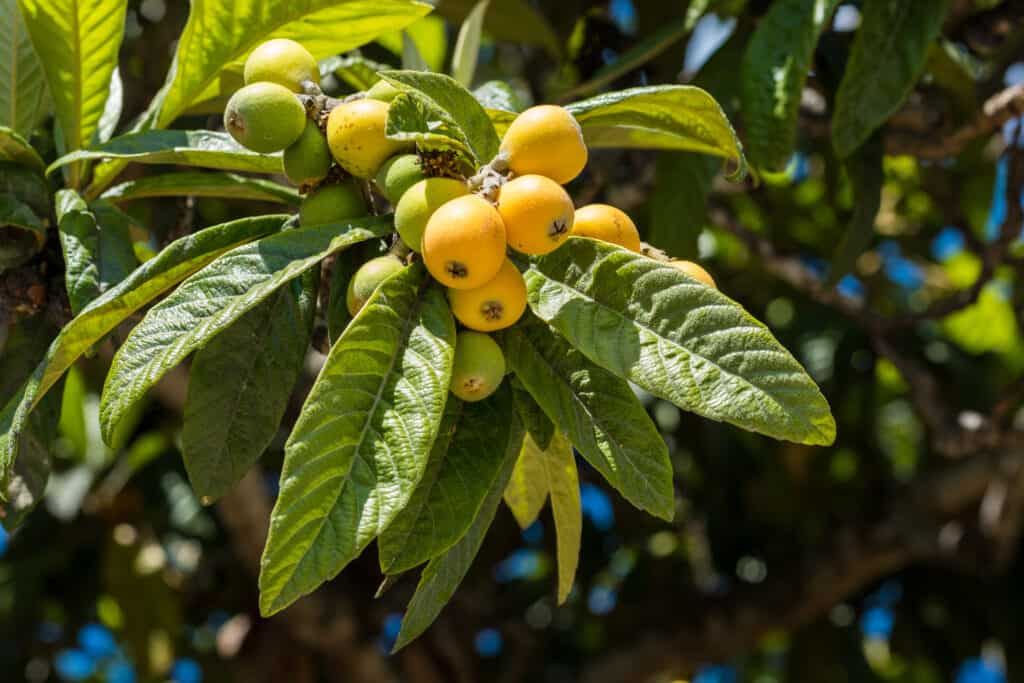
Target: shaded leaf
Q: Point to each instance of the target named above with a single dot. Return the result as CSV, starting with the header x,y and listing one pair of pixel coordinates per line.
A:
x,y
198,184
213,298
562,482
443,574
533,417
679,339
602,416
680,117
679,201
13,147
464,461
203,148
888,55
363,438
239,385
359,72
513,21
864,168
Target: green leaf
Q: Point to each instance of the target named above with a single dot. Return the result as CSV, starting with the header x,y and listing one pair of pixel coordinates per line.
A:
x,y
512,21
467,46
464,462
498,95
17,214
412,118
421,46
359,72
363,438
239,386
456,110
533,417
602,416
338,317
77,42
660,117
676,338
26,343
679,201
635,57
864,169
212,299
527,488
23,96
324,27
775,68
888,56
198,184
14,148
27,186
202,148
562,482
97,252
411,57
174,263
443,574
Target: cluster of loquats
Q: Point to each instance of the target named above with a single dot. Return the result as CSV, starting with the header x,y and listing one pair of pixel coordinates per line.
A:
x,y
461,228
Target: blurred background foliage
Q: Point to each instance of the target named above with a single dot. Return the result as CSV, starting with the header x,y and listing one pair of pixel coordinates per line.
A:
x,y
774,569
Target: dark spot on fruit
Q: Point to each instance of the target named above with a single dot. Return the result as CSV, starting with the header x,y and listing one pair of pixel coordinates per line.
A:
x,y
492,310
456,269
558,228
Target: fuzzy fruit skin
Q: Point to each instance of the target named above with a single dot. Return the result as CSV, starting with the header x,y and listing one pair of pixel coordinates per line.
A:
x,y
308,160
397,175
383,91
355,133
284,62
538,214
604,222
332,204
420,202
478,368
495,305
694,271
546,140
464,243
366,280
265,117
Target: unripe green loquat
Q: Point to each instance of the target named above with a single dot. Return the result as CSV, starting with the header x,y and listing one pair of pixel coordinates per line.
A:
x,y
265,117
308,159
366,280
397,175
332,204
478,368
284,62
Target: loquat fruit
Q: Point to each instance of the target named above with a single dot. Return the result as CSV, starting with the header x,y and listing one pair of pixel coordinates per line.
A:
x,y
493,306
418,204
464,243
604,222
478,367
355,134
546,140
538,213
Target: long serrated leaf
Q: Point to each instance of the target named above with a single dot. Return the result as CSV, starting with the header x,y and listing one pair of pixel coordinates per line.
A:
x,y
888,56
677,338
77,42
467,46
97,248
13,147
679,201
324,27
24,489
174,263
23,95
533,417
680,117
363,438
864,169
775,69
414,119
213,298
203,148
443,574
111,108
464,461
198,184
461,115
239,386
563,484
602,416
